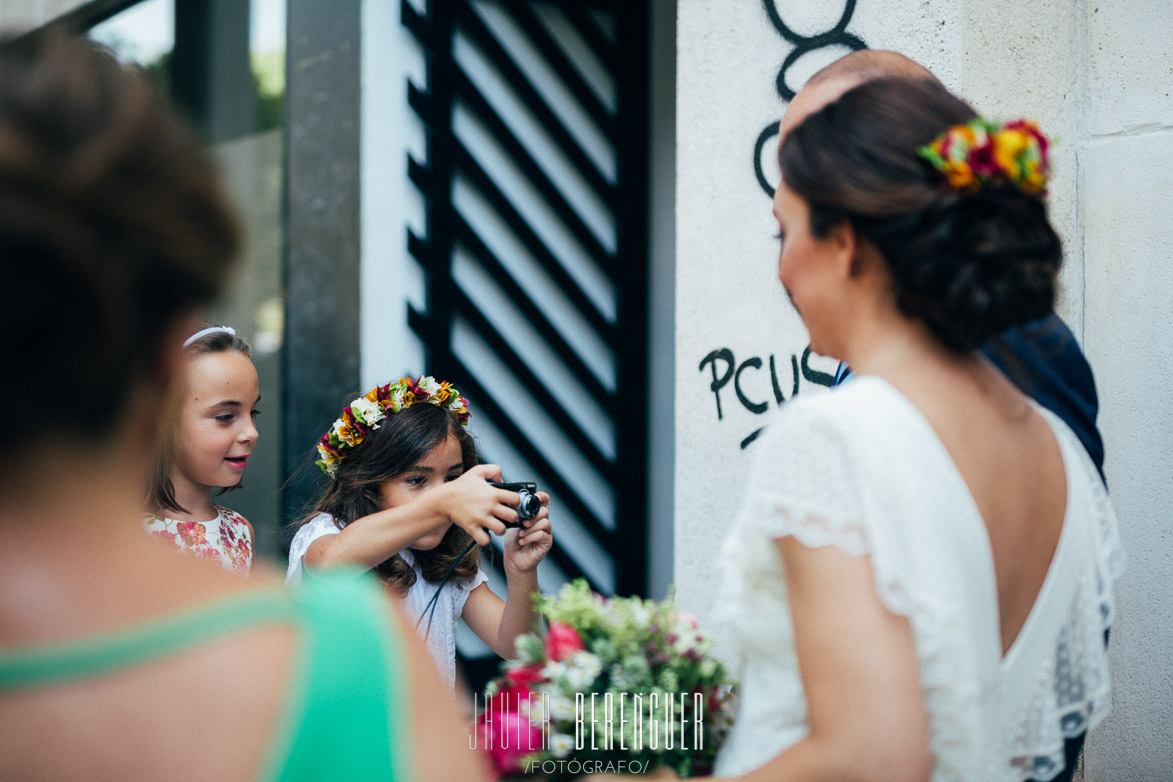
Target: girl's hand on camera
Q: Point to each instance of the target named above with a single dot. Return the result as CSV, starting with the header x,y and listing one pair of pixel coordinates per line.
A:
x,y
527,546
475,506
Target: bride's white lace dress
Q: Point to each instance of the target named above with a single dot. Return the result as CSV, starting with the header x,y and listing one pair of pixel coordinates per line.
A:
x,y
862,470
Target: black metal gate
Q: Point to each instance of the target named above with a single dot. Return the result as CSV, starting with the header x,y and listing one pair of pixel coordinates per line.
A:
x,y
535,254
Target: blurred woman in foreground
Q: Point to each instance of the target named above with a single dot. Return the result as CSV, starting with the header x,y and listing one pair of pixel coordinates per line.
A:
x,y
118,659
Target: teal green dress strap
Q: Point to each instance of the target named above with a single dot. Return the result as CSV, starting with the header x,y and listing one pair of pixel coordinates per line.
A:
x,y
36,666
350,716
346,714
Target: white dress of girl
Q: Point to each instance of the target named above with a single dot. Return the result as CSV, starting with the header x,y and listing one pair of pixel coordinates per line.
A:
x,y
862,470
436,624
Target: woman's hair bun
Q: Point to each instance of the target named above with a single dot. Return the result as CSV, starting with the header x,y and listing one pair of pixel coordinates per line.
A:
x,y
114,224
980,264
968,264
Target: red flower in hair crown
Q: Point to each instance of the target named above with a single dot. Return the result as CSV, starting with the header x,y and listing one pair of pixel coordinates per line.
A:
x,y
977,153
364,414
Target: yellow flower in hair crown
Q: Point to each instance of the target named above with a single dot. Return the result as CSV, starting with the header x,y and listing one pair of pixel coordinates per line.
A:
x,y
363,415
978,153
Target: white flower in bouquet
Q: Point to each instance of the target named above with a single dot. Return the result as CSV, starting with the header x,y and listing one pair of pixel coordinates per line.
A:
x,y
561,745
584,668
641,614
561,708
555,671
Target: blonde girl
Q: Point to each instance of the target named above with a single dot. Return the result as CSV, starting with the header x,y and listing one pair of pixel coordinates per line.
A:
x,y
210,442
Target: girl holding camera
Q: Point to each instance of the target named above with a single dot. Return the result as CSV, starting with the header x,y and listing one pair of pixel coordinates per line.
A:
x,y
408,499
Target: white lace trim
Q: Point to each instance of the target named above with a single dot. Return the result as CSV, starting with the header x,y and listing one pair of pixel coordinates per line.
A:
x,y
1072,691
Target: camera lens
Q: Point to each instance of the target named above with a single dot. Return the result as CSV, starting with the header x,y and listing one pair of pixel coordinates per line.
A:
x,y
529,505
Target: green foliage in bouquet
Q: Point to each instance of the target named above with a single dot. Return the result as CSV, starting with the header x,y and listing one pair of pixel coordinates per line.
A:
x,y
619,684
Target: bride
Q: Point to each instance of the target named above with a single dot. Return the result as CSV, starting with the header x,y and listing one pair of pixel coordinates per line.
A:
x,y
919,581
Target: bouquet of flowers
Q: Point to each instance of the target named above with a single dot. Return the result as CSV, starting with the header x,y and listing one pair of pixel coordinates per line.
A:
x,y
620,685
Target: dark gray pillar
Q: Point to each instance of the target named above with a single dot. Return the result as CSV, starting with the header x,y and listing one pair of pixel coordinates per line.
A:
x,y
322,308
211,74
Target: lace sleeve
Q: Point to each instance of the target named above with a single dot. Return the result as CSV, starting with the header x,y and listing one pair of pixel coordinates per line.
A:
x,y
806,484
461,590
317,527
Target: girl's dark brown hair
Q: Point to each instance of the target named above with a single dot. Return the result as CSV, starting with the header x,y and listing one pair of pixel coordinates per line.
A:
x,y
161,494
968,265
113,224
400,442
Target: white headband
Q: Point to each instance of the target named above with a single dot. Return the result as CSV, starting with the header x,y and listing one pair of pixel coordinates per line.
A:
x,y
210,330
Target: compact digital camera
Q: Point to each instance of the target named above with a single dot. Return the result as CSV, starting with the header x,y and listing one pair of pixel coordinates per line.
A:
x,y
529,505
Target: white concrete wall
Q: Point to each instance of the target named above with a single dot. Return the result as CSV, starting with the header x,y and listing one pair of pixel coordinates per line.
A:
x,y
1098,77
1125,161
728,59
727,296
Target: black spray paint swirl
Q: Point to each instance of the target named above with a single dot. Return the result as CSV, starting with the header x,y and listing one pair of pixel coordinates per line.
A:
x,y
836,36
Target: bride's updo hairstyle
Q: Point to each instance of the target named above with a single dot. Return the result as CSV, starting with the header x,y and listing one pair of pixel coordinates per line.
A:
x,y
969,264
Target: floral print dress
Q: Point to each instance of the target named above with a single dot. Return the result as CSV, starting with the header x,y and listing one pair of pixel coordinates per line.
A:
x,y
225,540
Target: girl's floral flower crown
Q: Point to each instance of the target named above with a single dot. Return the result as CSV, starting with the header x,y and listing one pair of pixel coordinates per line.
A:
x,y
363,415
978,152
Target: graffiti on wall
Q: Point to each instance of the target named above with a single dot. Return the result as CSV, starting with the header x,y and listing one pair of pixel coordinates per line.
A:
x,y
754,383
803,44
743,382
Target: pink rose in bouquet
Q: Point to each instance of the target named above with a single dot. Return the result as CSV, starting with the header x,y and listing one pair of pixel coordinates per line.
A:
x,y
562,641
524,675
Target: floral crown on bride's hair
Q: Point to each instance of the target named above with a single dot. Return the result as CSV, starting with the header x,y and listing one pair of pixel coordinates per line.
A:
x,y
977,153
362,416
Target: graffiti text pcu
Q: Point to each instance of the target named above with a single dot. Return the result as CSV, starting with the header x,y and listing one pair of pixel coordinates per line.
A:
x,y
729,375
